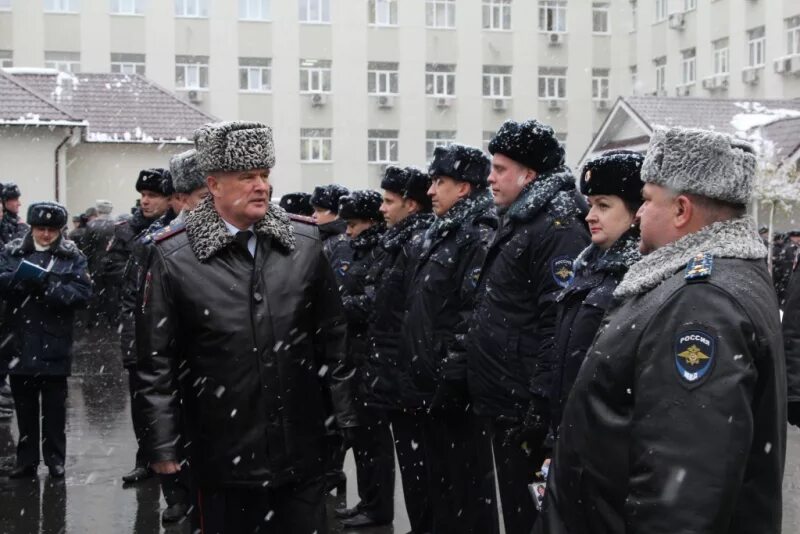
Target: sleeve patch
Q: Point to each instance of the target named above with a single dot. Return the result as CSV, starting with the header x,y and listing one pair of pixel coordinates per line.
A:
x,y
562,270
695,356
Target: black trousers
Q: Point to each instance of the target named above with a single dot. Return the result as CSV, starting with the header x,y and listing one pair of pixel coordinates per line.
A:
x,y
27,391
459,457
516,468
374,454
139,425
409,444
295,509
175,487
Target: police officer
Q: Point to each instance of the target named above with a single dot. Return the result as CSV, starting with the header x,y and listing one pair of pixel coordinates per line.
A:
x,y
791,340
441,299
297,203
99,232
677,420
11,227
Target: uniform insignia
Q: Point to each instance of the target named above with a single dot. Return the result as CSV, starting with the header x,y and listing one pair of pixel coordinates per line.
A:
x,y
562,271
695,354
700,267
475,276
588,176
302,219
343,267
168,231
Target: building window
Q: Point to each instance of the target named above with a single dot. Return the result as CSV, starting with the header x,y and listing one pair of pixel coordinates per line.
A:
x,y
689,5
315,11
435,138
487,137
63,61
662,10
382,146
634,15
600,84
440,13
127,63
6,59
600,20
382,78
552,83
633,70
191,72
383,12
5,5
661,75
553,16
255,9
62,6
721,63
756,47
191,8
496,81
793,35
127,7
316,145
255,74
315,75
440,80
688,66
497,14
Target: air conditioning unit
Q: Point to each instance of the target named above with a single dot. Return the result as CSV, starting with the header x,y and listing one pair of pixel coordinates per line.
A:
x,y
385,102
677,21
555,39
713,83
601,104
443,102
750,75
794,64
782,65
195,97
554,104
683,90
500,104
318,100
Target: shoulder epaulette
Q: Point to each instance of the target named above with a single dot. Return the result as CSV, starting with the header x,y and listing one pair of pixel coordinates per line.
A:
x,y
302,219
169,231
700,267
120,223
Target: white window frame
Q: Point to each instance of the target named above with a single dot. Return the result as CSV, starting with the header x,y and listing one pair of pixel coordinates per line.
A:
x,y
431,143
315,79
440,9
721,61
793,37
554,86
126,7
62,6
323,11
499,85
689,69
756,48
689,5
497,15
662,10
381,81
661,78
383,12
386,150
634,16
553,16
63,65
255,78
602,7
255,10
316,148
5,5
601,85
128,67
438,84
191,9
192,72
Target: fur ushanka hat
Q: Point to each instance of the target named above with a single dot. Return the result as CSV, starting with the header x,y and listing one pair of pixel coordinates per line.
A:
x,y
410,182
616,172
155,180
327,196
363,204
461,162
49,214
529,143
186,175
234,147
297,203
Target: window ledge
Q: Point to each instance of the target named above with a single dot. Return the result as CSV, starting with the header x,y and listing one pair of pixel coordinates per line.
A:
x,y
548,32
255,20
373,25
316,92
255,91
442,28
498,30
201,89
602,34
192,17
135,15
323,162
61,12
489,97
311,23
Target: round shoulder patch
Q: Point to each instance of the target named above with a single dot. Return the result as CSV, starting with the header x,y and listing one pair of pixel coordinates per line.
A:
x,y
562,271
695,355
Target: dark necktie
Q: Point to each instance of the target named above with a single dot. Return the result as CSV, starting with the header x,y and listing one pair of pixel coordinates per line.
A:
x,y
242,238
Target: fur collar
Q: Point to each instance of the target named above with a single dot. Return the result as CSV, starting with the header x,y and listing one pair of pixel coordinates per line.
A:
x,y
736,238
333,228
397,236
464,210
369,238
541,192
617,259
63,248
208,234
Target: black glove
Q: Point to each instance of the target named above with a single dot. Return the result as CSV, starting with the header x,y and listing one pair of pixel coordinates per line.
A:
x,y
793,413
348,435
534,427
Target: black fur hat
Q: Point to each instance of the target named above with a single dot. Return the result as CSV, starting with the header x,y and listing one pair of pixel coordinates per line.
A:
x,y
49,214
10,191
461,162
411,182
327,196
363,204
297,203
155,180
616,172
530,143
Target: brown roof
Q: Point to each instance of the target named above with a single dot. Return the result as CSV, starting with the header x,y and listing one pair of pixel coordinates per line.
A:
x,y
21,105
118,107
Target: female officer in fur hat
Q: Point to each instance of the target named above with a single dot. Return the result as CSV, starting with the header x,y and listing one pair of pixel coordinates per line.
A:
x,y
47,273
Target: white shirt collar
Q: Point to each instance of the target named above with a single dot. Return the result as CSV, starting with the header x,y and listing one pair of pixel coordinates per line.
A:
x,y
251,243
233,230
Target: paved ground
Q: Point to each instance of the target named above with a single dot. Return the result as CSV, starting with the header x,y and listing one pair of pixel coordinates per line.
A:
x,y
100,449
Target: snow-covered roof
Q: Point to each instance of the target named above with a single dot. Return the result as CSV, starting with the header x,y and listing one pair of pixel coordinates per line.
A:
x,y
124,108
20,105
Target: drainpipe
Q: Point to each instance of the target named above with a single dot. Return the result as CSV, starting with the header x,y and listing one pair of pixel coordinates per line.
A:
x,y
58,165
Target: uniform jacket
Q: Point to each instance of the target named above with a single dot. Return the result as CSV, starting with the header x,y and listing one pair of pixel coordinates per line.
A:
x,y
336,246
791,338
251,345
581,307
441,300
37,327
677,420
527,265
119,249
386,371
99,233
11,227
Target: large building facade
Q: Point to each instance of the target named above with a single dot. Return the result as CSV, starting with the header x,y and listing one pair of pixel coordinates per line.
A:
x,y
352,85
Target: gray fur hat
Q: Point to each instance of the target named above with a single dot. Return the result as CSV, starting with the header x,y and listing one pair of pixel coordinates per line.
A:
x,y
701,162
104,207
186,175
234,146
